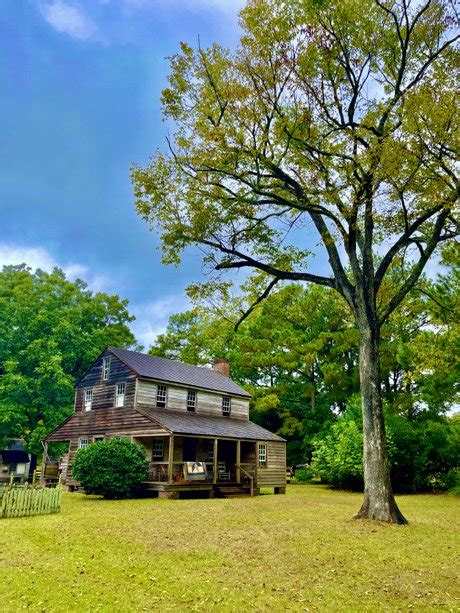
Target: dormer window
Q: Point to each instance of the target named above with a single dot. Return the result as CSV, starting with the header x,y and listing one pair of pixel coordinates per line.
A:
x,y
191,401
120,394
161,396
88,400
226,405
106,368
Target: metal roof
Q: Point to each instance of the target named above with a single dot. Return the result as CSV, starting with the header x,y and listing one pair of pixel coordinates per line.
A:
x,y
172,371
209,425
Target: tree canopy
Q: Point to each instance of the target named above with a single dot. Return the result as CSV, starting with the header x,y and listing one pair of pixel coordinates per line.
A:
x,y
51,329
333,121
298,354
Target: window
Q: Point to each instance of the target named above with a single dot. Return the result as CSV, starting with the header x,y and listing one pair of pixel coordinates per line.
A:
x,y
120,394
191,400
226,405
262,454
98,439
105,368
88,400
161,396
158,449
21,468
83,442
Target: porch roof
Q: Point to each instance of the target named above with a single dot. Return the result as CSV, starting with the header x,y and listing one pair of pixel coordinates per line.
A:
x,y
210,425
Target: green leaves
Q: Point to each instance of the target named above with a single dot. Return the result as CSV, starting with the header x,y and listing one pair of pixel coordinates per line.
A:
x,y
111,468
51,331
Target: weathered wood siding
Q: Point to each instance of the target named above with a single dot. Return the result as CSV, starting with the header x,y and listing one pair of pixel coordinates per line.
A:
x,y
274,474
208,403
104,391
102,422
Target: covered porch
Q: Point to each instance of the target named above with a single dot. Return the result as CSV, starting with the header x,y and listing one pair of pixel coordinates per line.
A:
x,y
181,463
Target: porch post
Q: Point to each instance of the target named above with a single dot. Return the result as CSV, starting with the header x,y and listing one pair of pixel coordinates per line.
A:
x,y
214,474
171,459
238,461
45,453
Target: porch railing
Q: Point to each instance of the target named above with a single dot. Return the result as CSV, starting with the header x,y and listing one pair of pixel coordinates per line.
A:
x,y
159,473
248,476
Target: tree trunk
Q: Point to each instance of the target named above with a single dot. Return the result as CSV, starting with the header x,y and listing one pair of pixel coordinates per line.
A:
x,y
379,502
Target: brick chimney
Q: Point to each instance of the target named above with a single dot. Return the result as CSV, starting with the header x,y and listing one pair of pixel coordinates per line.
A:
x,y
222,366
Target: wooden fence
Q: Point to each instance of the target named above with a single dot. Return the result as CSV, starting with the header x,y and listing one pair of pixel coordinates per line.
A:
x,y
21,500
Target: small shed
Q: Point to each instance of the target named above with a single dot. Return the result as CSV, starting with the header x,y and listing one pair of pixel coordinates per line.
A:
x,y
16,462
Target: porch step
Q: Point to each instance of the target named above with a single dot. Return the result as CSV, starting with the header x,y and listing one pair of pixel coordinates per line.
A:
x,y
233,492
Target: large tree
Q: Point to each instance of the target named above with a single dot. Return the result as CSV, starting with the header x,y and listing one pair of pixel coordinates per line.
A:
x,y
333,122
51,329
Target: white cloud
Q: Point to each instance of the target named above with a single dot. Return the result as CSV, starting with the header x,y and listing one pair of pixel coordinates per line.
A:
x,y
152,317
38,257
68,19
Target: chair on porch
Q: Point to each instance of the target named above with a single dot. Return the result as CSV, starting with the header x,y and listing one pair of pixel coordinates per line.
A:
x,y
222,473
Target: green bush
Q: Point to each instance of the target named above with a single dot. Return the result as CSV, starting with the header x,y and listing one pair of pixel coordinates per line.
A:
x,y
303,475
423,454
111,468
338,456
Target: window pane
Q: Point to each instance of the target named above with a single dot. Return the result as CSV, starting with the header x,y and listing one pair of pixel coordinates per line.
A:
x,y
161,396
262,455
191,400
158,448
106,369
120,394
226,405
88,399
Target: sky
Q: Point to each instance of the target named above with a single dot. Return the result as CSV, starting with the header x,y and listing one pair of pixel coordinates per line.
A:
x,y
81,82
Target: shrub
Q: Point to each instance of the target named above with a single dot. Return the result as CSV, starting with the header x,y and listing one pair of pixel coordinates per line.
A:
x,y
338,456
111,468
422,453
303,475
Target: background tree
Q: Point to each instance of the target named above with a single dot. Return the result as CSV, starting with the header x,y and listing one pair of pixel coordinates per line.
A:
x,y
337,116
297,354
51,330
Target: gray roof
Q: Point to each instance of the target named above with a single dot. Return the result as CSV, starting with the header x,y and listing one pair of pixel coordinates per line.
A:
x,y
172,371
209,425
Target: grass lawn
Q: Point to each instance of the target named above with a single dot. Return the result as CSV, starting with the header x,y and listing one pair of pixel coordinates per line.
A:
x,y
298,552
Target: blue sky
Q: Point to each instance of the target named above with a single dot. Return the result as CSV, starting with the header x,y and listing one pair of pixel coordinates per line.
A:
x,y
81,83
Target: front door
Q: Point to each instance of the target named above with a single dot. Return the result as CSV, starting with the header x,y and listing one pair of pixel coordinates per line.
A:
x,y
189,450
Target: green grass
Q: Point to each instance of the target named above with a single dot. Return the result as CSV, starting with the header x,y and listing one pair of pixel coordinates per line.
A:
x,y
296,552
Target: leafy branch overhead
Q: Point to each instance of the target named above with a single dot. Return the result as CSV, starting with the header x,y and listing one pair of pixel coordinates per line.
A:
x,y
332,122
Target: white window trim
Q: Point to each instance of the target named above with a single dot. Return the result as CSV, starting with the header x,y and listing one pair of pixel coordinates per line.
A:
x,y
165,396
88,404
226,412
106,368
158,456
262,457
80,441
120,397
189,393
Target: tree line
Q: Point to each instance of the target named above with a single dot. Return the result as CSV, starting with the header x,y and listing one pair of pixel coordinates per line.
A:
x,y
297,353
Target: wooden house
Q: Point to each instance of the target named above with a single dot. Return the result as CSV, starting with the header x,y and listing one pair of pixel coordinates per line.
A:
x,y
193,423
